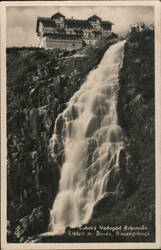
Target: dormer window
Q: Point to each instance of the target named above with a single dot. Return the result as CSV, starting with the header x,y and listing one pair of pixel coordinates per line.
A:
x,y
94,18
58,16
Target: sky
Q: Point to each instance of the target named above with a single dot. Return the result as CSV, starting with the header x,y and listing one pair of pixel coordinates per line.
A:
x,y
21,21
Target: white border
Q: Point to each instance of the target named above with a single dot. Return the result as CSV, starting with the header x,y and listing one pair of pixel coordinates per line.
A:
x,y
157,244
3,127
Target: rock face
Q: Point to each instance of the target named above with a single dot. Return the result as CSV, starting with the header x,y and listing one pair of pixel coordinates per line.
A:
x,y
136,117
32,224
39,84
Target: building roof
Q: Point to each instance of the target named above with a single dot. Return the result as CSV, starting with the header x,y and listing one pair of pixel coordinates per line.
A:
x,y
94,18
47,22
71,23
95,32
50,23
76,23
106,24
57,15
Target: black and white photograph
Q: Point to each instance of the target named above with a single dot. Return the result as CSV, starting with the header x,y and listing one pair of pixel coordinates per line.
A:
x,y
80,138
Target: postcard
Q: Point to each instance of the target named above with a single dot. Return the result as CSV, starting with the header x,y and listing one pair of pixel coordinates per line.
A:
x,y
80,124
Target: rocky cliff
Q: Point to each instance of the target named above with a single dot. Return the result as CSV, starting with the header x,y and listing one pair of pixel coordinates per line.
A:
x,y
136,117
39,84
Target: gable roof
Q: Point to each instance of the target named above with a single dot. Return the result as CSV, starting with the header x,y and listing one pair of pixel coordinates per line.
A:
x,y
47,22
57,15
71,23
106,24
77,23
94,18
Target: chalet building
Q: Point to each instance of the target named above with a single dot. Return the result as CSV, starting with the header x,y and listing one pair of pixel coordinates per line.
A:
x,y
59,32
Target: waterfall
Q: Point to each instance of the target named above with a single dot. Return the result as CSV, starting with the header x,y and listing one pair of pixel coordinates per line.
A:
x,y
88,134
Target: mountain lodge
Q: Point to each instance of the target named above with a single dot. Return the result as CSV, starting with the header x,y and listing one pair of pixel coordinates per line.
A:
x,y
58,32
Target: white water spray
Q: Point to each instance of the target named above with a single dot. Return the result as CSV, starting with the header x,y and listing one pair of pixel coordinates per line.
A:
x,y
91,140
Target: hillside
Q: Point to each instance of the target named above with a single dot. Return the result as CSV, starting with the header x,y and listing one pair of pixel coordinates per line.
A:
x,y
136,116
39,84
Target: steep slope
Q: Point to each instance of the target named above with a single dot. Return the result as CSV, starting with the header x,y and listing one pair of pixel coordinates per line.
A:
x,y
39,84
136,116
131,218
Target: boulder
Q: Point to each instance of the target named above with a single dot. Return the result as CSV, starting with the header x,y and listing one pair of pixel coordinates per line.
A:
x,y
104,205
34,223
122,159
137,100
22,227
59,125
91,126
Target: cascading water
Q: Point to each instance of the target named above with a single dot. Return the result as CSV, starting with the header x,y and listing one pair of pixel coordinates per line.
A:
x,y
91,139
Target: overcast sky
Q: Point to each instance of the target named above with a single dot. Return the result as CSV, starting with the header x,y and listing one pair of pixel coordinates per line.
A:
x,y
21,21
